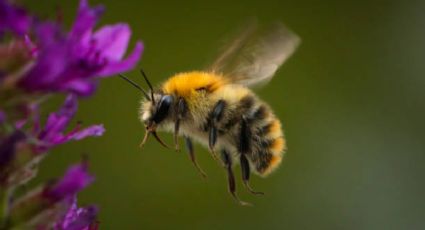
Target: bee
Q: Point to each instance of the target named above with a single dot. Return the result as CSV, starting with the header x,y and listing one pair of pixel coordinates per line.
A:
x,y
217,108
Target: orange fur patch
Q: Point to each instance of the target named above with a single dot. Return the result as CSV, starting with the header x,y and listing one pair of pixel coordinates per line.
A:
x,y
278,145
274,163
186,84
275,126
275,160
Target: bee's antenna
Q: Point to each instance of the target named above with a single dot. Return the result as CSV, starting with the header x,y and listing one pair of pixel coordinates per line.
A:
x,y
149,84
135,85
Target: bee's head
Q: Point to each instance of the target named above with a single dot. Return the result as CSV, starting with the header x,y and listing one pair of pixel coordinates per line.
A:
x,y
155,109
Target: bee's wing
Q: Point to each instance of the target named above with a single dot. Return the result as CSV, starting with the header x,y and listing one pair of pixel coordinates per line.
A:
x,y
254,56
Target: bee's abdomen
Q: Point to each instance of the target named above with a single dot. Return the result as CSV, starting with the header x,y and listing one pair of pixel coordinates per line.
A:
x,y
267,143
269,147
248,125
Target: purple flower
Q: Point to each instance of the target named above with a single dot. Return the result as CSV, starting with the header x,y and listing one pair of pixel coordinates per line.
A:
x,y
2,114
72,62
55,204
77,218
74,180
31,47
13,18
38,58
52,134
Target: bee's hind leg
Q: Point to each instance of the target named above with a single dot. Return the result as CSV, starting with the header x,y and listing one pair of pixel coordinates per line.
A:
x,y
189,146
244,148
246,173
227,159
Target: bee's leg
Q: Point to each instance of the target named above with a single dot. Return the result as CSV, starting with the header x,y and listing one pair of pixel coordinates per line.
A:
x,y
176,134
212,140
227,159
189,147
214,118
246,173
244,148
181,110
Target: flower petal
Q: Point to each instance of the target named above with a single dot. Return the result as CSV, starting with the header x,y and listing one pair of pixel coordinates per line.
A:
x,y
76,134
125,65
86,19
48,33
47,70
85,218
91,131
13,18
80,87
77,218
72,62
74,180
31,47
2,117
70,214
113,40
57,122
69,107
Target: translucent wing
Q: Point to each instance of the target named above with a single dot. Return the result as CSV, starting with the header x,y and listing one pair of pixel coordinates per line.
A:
x,y
254,56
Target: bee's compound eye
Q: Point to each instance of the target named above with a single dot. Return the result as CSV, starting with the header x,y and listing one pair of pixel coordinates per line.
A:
x,y
162,108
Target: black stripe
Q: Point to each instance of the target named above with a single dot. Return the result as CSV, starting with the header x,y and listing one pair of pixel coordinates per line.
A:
x,y
243,107
244,138
264,161
266,129
229,124
266,143
260,113
246,103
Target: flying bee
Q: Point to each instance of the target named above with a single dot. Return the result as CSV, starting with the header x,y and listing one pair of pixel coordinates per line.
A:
x,y
217,108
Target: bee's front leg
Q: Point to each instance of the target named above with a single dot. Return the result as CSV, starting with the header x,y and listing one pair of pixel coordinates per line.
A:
x,y
244,149
180,112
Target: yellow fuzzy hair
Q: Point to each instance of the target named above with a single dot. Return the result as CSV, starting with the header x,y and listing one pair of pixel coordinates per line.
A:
x,y
186,84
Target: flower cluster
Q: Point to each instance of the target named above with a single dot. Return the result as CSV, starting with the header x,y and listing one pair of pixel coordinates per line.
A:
x,y
70,62
39,59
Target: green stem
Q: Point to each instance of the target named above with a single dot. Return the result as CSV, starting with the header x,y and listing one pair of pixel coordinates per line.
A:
x,y
4,205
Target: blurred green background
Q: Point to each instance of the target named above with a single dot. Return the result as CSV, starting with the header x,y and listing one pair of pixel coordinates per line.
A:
x,y
351,100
